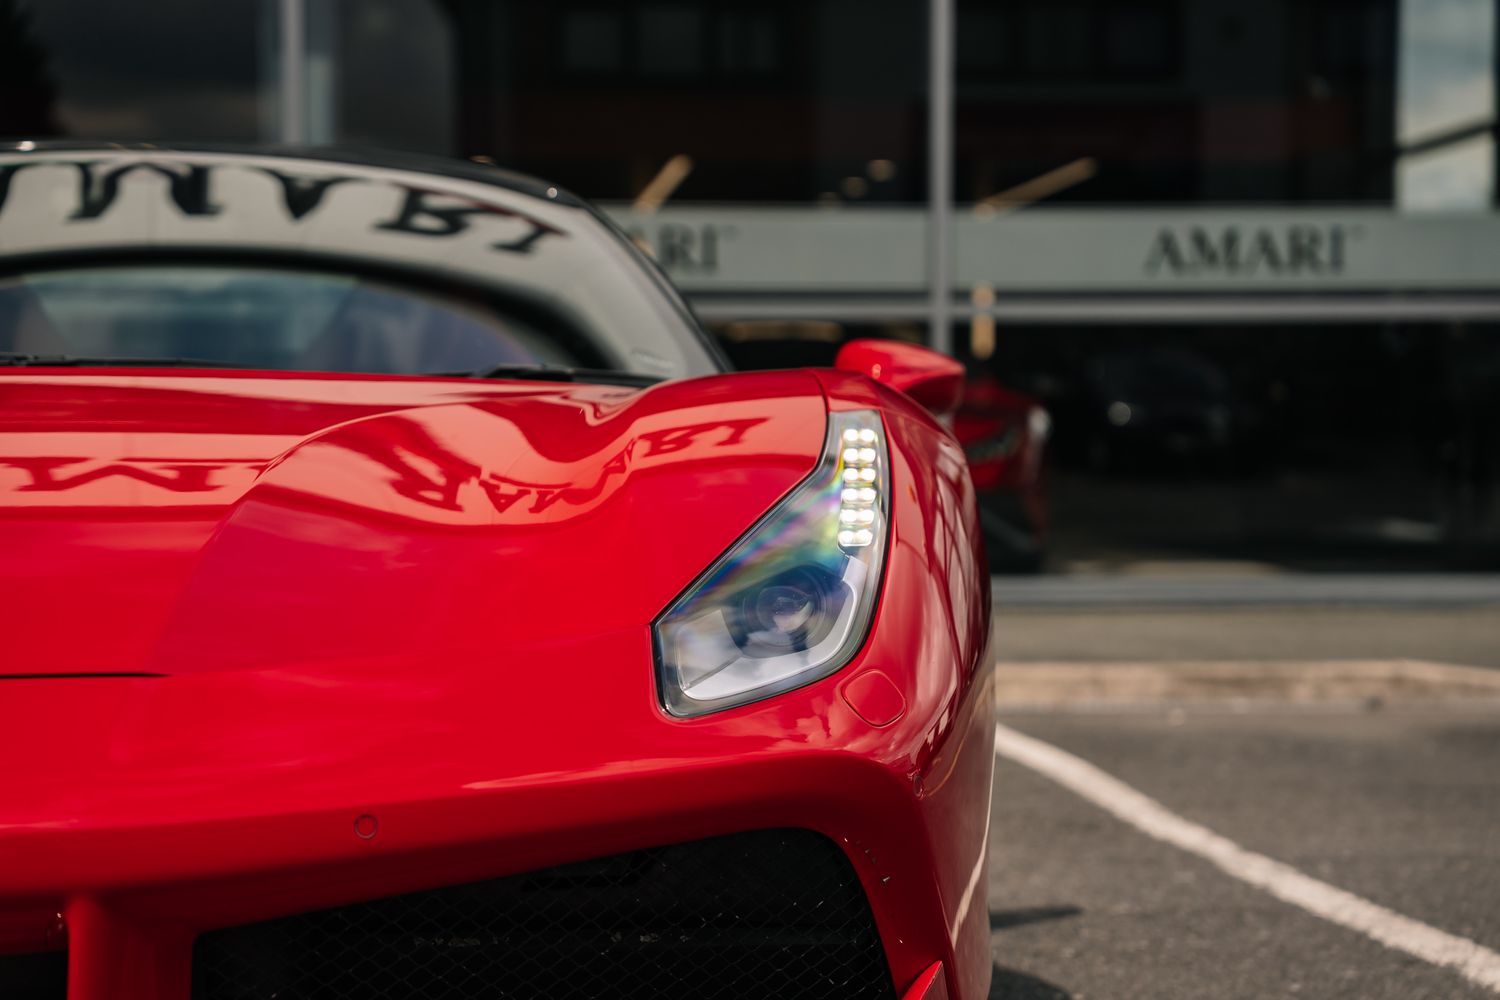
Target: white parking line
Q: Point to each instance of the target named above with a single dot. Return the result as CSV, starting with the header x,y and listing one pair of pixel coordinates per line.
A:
x,y
1474,962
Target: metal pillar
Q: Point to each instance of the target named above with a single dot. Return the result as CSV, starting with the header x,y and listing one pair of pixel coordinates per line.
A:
x,y
940,174
291,83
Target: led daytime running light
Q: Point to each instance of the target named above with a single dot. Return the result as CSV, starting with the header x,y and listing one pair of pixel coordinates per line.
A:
x,y
793,599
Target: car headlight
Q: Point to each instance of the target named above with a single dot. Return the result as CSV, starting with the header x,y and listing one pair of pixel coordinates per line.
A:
x,y
791,601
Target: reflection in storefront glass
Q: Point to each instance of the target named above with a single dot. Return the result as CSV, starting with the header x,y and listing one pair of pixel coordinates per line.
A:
x,y
1236,260
165,70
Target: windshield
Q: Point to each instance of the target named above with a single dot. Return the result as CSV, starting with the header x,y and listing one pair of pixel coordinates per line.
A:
x,y
266,317
324,265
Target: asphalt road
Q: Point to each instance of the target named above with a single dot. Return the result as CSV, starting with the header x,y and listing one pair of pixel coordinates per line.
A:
x,y
1400,807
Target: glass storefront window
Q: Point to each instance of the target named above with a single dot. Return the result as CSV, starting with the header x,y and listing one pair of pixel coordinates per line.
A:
x,y
1304,445
1178,102
785,101
390,81
1277,216
174,69
1244,262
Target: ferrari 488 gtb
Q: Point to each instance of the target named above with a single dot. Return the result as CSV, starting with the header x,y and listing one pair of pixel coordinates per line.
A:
x,y
402,601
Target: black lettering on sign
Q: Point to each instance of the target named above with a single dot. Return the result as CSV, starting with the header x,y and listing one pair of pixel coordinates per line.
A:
x,y
420,216
710,258
1336,238
1263,250
1235,252
421,213
1305,249
1216,255
676,247
1165,252
187,184
685,249
303,194
7,172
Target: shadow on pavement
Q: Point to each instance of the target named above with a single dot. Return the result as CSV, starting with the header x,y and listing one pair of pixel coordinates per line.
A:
x,y
1008,984
1001,920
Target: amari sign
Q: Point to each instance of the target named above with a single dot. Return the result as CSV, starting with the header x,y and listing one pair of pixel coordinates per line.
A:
x,y
745,250
1292,251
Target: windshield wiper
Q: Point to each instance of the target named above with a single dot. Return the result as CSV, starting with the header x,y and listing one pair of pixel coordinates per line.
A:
x,y
78,361
558,373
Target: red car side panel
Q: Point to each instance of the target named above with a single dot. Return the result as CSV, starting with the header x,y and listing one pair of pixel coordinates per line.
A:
x,y
930,985
380,681
938,587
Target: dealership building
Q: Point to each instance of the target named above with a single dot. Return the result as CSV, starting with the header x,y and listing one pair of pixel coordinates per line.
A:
x,y
1244,252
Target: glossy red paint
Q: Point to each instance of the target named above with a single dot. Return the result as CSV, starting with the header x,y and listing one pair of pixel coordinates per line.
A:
x,y
1004,434
932,379
399,637
997,427
875,698
931,985
290,521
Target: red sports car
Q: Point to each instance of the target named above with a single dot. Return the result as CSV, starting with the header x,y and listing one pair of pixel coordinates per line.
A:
x,y
402,602
1004,436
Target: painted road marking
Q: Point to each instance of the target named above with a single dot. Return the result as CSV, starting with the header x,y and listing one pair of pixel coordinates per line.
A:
x,y
1474,962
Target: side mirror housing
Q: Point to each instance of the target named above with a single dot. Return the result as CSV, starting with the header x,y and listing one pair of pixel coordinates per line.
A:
x,y
932,379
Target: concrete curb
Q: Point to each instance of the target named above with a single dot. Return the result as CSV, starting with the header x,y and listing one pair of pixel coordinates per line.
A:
x,y
1066,685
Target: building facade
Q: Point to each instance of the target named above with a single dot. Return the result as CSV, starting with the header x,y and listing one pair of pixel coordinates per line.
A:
x,y
1245,252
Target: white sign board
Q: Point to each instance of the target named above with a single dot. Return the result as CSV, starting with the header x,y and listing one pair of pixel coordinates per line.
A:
x,y
742,249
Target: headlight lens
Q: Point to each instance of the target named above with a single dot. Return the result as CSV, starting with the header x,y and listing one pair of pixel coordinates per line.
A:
x,y
791,601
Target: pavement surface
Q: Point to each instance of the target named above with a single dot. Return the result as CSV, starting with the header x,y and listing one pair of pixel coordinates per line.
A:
x,y
1395,800
1399,807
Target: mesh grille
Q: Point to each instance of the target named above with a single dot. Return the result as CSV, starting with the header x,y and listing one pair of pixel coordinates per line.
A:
x,y
34,977
754,915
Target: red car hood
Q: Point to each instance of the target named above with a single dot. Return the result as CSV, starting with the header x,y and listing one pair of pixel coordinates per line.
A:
x,y
173,523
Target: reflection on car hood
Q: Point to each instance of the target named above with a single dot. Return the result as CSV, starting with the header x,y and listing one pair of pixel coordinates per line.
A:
x,y
178,523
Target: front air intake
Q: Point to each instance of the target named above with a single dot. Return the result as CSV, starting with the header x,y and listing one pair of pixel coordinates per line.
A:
x,y
744,917
36,976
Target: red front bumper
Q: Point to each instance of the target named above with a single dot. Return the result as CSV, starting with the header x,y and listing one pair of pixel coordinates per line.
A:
x,y
360,792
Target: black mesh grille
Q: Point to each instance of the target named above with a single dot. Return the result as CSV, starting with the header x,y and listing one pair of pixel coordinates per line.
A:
x,y
34,977
754,915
